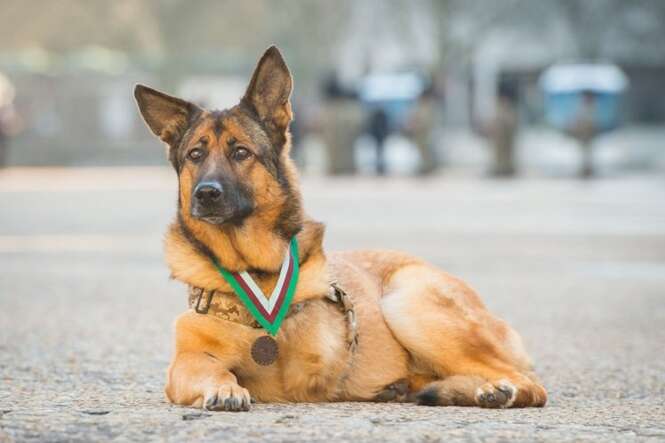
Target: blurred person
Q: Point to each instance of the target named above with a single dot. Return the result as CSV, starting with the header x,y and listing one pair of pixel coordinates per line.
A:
x,y
420,127
9,121
341,125
502,131
298,129
378,127
584,130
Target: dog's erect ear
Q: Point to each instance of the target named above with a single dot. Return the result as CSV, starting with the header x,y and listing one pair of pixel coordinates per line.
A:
x,y
269,91
167,117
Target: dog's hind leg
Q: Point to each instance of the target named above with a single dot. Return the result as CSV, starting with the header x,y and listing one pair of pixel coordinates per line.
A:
x,y
477,358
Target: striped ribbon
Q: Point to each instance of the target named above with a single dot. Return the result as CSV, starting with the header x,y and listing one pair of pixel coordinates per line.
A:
x,y
268,312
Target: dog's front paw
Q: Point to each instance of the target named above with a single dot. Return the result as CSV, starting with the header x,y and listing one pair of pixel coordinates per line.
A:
x,y
227,397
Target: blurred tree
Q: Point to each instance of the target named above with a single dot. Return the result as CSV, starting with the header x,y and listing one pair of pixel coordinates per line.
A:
x,y
182,34
186,35
599,26
462,24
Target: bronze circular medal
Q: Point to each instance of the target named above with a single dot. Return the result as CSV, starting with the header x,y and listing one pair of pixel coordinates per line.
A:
x,y
265,350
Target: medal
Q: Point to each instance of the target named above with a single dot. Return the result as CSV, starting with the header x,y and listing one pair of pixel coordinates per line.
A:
x,y
269,313
265,350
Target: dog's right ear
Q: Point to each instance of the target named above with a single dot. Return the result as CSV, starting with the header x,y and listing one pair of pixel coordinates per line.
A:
x,y
167,117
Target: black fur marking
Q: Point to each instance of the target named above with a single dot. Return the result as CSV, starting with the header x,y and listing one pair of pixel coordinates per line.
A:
x,y
268,161
200,247
281,177
218,121
428,397
289,222
175,150
269,153
250,112
276,136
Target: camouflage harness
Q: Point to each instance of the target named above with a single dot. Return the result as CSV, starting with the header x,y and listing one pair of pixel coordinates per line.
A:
x,y
226,307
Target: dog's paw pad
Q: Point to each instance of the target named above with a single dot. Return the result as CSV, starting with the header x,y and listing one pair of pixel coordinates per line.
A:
x,y
509,390
498,395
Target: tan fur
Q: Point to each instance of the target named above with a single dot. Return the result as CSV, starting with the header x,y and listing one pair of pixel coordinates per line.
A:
x,y
415,322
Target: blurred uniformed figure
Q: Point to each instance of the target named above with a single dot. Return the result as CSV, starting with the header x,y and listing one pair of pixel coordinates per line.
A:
x,y
342,122
378,127
421,126
584,129
503,130
8,118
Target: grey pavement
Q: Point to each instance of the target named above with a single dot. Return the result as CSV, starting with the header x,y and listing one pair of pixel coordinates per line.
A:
x,y
86,305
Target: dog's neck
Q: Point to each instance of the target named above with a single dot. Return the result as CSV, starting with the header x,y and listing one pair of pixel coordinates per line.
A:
x,y
251,249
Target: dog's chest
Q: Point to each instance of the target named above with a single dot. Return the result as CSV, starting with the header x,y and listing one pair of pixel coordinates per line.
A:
x,y
313,358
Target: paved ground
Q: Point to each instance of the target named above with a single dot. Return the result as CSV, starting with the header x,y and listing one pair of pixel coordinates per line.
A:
x,y
86,305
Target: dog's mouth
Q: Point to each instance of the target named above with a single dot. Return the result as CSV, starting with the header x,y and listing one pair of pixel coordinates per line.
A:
x,y
213,219
235,218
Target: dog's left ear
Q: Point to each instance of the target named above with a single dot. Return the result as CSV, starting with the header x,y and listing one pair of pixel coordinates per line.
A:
x,y
269,91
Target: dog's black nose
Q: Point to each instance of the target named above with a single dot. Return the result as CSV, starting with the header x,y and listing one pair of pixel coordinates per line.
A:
x,y
208,192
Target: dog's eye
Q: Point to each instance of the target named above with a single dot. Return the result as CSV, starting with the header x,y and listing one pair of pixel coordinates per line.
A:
x,y
195,154
240,153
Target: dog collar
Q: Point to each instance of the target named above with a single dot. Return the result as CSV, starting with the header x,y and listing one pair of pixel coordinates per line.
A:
x,y
268,312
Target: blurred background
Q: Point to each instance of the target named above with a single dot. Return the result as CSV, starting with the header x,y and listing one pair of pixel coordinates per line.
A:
x,y
397,87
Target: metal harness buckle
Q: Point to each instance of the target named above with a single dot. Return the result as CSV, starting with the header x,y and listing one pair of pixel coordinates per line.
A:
x,y
203,309
342,299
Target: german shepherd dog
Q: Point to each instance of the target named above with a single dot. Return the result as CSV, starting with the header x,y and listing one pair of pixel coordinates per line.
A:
x,y
415,333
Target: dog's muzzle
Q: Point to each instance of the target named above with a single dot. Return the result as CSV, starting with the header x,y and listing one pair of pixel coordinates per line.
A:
x,y
217,204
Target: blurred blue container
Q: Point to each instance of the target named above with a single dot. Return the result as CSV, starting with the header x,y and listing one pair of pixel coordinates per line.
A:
x,y
565,87
394,93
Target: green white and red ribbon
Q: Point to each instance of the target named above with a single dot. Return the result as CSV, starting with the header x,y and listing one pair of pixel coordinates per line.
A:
x,y
269,312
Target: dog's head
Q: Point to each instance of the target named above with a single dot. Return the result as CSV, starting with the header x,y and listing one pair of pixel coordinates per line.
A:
x,y
233,165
